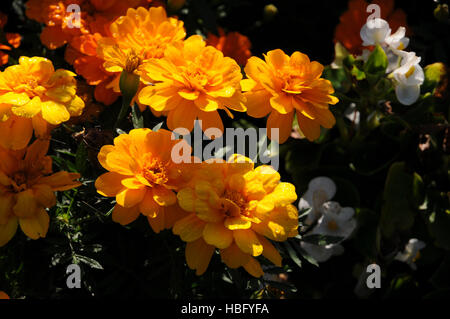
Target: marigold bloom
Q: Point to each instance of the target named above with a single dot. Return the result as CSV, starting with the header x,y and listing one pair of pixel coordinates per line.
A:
x,y
34,95
192,81
136,37
235,207
13,40
27,187
352,20
3,295
95,19
232,44
281,85
142,177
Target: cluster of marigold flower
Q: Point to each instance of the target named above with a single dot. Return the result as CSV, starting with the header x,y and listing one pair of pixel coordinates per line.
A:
x,y
226,205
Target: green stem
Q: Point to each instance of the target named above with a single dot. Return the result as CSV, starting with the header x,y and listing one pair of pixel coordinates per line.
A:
x,y
123,111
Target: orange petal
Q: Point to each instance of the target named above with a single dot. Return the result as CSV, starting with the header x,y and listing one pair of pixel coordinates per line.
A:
x,y
36,226
198,255
282,122
130,197
123,215
109,184
217,235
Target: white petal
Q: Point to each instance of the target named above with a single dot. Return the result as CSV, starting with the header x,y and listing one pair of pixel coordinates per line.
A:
x,y
347,213
323,183
374,32
407,95
319,253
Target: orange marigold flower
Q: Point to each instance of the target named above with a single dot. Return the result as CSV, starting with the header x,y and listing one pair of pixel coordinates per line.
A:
x,y
236,208
136,37
27,188
142,177
232,44
192,81
95,19
352,20
13,40
3,295
34,95
283,84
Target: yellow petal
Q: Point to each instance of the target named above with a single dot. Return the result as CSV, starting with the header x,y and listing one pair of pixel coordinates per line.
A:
x,y
123,215
233,257
44,195
234,223
248,242
109,184
8,230
157,223
269,251
198,255
29,109
189,228
148,206
186,199
54,113
130,197
164,196
26,205
217,235
36,226
6,207
254,268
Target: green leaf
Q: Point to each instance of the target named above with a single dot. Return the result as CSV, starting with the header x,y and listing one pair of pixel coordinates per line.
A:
x,y
338,78
377,62
321,240
358,74
81,157
398,210
439,229
89,261
291,252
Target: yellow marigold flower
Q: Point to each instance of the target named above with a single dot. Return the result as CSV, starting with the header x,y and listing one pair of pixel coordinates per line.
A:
x,y
136,37
34,95
142,177
235,207
283,84
192,81
27,188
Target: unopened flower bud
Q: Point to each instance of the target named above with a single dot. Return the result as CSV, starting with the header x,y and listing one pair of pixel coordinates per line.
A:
x,y
270,11
441,12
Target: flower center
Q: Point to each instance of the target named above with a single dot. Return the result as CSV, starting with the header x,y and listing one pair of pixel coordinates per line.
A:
x,y
133,61
410,72
196,77
155,172
239,202
19,178
332,225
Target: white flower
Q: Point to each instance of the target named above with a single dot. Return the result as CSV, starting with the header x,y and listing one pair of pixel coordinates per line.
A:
x,y
335,221
408,78
397,41
377,31
352,114
322,253
320,190
374,32
411,252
